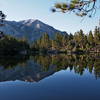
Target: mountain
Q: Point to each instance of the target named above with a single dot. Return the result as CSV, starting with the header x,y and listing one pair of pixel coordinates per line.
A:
x,y
29,29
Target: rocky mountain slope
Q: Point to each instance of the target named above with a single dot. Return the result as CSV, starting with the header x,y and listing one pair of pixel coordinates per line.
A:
x,y
29,29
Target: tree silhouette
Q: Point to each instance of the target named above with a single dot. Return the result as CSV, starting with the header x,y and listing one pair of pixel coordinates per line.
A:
x,y
2,16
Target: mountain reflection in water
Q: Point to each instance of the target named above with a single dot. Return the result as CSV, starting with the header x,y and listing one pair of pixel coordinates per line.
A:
x,y
38,67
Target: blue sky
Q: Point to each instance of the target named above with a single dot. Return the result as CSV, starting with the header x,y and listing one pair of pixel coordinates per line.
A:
x,y
40,9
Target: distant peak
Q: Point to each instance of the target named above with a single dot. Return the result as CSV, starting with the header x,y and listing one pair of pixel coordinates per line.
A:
x,y
28,21
31,20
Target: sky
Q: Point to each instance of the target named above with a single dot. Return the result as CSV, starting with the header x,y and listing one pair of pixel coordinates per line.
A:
x,y
40,9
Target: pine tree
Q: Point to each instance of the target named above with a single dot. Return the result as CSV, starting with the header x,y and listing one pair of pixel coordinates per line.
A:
x,y
96,36
91,39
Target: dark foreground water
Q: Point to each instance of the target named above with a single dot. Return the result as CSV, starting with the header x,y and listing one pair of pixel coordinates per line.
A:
x,y
59,77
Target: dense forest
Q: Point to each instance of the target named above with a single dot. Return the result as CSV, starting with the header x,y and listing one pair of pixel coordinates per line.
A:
x,y
62,43
12,46
79,42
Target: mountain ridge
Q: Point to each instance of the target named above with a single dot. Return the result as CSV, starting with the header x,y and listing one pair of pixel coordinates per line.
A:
x,y
31,29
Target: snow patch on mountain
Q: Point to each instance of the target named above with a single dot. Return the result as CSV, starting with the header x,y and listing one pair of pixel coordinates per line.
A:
x,y
30,29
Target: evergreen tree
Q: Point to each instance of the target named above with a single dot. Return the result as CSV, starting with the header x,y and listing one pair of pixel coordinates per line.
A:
x,y
79,7
91,39
97,36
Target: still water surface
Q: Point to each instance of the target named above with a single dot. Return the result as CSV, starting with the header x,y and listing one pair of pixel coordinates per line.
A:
x,y
55,77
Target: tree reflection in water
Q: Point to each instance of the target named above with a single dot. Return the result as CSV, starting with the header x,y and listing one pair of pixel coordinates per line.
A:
x,y
37,67
78,63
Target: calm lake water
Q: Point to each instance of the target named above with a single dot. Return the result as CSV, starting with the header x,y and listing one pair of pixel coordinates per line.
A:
x,y
52,77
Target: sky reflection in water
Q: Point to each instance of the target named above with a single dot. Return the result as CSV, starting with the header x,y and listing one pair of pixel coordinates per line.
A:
x,y
52,83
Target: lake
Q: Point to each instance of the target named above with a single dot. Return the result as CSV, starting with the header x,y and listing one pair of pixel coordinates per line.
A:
x,y
50,77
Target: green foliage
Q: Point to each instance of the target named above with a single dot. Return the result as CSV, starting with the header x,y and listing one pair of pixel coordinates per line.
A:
x,y
12,46
79,42
79,7
97,35
91,39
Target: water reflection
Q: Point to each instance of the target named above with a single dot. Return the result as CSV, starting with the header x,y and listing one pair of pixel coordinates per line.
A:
x,y
37,67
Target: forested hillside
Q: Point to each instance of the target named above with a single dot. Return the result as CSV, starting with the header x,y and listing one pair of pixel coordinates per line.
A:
x,y
79,42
